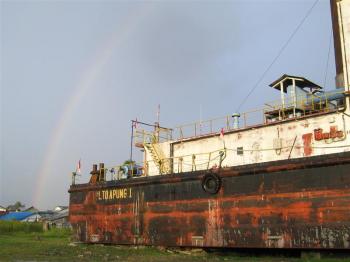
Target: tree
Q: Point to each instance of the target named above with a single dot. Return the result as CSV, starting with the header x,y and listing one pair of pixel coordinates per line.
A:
x,y
129,162
16,206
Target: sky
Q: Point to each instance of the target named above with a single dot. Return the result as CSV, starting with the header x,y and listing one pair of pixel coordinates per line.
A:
x,y
74,73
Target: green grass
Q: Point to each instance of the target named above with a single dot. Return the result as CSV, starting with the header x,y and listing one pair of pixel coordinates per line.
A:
x,y
55,245
9,227
47,247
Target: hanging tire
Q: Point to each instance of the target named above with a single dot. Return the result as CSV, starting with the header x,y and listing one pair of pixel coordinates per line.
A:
x,y
211,183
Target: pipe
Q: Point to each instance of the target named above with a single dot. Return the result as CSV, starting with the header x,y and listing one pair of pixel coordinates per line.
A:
x,y
327,96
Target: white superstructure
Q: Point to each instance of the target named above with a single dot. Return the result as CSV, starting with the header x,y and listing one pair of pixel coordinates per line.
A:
x,y
315,123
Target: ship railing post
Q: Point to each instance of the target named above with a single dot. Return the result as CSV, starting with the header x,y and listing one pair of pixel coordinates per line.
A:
x,y
282,95
209,159
222,155
170,134
193,162
245,119
145,168
178,165
160,166
294,97
181,164
279,114
175,162
263,116
132,169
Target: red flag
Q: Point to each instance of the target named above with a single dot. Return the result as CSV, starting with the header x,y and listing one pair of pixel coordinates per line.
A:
x,y
79,166
222,133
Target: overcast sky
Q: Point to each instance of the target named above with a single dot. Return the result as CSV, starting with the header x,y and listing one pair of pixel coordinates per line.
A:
x,y
74,73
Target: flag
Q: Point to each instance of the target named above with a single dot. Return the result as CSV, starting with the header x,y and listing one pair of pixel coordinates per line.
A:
x,y
134,123
222,133
79,166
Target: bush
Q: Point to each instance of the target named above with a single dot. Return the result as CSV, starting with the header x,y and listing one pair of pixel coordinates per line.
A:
x,y
8,227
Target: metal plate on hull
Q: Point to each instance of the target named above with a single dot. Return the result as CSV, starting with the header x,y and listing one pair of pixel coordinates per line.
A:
x,y
267,206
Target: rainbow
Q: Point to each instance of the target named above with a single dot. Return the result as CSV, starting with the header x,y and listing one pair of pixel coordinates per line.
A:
x,y
87,80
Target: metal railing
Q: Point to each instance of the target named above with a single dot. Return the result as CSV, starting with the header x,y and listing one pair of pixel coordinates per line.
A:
x,y
306,104
142,136
191,162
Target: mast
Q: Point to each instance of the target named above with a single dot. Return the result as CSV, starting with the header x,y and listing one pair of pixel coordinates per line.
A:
x,y
340,11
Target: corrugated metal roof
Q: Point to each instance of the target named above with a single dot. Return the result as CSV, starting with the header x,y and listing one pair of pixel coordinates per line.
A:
x,y
299,81
18,216
64,213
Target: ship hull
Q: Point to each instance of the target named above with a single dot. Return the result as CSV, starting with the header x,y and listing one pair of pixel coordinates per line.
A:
x,y
297,203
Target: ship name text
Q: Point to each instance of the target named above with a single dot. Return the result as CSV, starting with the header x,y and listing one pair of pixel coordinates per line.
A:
x,y
111,194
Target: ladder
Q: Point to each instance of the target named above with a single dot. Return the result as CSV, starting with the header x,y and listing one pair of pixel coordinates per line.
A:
x,y
158,157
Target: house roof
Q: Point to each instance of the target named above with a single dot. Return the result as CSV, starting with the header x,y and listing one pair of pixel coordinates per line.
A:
x,y
64,213
287,80
46,214
60,207
18,216
31,209
35,215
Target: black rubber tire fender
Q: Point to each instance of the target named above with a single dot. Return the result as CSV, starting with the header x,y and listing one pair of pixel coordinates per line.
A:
x,y
211,183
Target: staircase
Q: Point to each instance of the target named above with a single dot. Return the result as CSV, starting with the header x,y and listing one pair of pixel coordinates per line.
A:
x,y
158,157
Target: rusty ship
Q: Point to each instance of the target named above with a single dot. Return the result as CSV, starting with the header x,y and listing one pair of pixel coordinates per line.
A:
x,y
278,177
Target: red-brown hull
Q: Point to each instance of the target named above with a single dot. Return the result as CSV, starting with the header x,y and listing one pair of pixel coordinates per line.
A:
x,y
301,203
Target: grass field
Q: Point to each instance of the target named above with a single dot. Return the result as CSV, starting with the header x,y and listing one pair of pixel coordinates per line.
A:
x,y
55,245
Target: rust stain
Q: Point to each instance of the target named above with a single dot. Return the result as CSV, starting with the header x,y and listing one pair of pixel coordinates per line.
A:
x,y
269,210
307,138
284,209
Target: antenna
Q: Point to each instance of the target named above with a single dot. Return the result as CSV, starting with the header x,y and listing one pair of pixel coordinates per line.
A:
x,y
200,119
158,114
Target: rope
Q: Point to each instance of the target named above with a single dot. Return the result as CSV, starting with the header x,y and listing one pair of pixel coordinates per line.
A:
x,y
116,168
202,163
244,150
327,64
277,56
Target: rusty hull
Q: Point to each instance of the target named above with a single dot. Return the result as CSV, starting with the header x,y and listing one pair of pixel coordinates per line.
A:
x,y
299,203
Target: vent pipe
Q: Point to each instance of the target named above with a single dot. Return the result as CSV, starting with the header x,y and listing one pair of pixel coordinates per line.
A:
x,y
236,117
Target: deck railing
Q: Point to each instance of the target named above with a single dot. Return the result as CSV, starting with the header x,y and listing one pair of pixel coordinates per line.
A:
x,y
300,106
